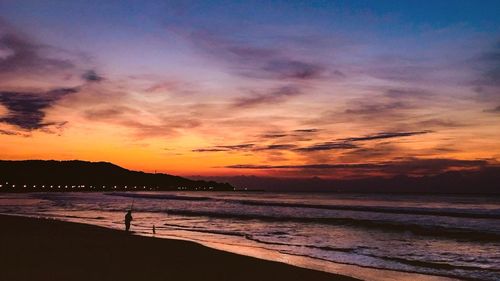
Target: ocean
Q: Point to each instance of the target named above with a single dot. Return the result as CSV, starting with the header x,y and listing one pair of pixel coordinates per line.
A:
x,y
453,236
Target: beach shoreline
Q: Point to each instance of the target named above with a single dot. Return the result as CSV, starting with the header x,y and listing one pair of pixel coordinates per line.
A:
x,y
46,249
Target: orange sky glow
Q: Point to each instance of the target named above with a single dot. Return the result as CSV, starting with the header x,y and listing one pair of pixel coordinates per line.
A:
x,y
183,94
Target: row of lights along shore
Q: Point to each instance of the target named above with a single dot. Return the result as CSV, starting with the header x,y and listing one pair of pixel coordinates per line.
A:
x,y
7,185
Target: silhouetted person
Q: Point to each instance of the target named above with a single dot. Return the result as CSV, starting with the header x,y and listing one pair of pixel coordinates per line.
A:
x,y
154,229
128,219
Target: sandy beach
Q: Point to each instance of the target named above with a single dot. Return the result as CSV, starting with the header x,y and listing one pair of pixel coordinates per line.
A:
x,y
41,249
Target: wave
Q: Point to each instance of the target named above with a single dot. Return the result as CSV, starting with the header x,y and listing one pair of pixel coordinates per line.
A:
x,y
202,230
160,196
444,273
416,263
435,265
461,233
379,209
458,213
252,238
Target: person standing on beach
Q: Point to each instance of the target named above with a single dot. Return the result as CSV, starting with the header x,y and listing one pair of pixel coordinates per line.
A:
x,y
128,219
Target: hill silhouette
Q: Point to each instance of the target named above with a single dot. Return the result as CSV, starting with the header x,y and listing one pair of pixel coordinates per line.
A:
x,y
51,175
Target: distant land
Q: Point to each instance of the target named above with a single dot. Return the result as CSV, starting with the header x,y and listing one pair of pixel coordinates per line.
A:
x,y
75,175
51,175
483,181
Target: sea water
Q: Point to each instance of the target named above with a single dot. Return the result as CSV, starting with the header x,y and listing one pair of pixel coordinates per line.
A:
x,y
454,236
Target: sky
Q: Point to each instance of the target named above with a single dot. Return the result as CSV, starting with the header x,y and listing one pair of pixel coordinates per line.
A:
x,y
334,89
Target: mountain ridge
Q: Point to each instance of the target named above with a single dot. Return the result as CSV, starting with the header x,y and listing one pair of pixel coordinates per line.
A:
x,y
78,175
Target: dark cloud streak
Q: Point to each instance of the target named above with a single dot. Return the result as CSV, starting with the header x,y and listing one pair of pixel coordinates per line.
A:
x,y
27,110
327,146
386,135
92,76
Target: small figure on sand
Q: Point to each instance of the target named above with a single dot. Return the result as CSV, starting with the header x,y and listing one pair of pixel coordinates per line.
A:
x,y
128,219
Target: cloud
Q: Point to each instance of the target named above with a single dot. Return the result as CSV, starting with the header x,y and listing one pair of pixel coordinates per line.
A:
x,y
248,60
279,147
402,73
382,105
491,61
406,166
246,147
313,130
9,133
386,135
379,151
209,150
142,127
306,166
27,109
380,108
494,110
25,57
487,85
339,144
141,117
408,93
170,127
108,112
293,69
390,102
348,143
435,122
277,96
297,134
327,146
237,147
272,135
91,76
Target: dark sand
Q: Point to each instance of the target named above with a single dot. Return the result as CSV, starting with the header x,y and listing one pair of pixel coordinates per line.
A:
x,y
39,249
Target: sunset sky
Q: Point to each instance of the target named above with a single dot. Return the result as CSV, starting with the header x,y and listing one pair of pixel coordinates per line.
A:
x,y
274,88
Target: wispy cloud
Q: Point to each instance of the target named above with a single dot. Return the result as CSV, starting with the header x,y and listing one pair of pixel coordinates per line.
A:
x,y
246,147
339,144
297,134
236,147
350,143
407,166
292,69
385,135
276,96
9,133
381,108
487,85
249,60
273,135
108,112
25,57
494,110
278,147
312,130
327,146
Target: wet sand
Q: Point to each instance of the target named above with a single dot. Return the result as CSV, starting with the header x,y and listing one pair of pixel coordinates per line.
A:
x,y
42,249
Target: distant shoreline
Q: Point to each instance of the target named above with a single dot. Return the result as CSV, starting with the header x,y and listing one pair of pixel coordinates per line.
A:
x,y
77,175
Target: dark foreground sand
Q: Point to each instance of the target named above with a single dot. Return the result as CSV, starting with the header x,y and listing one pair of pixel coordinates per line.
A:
x,y
39,249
